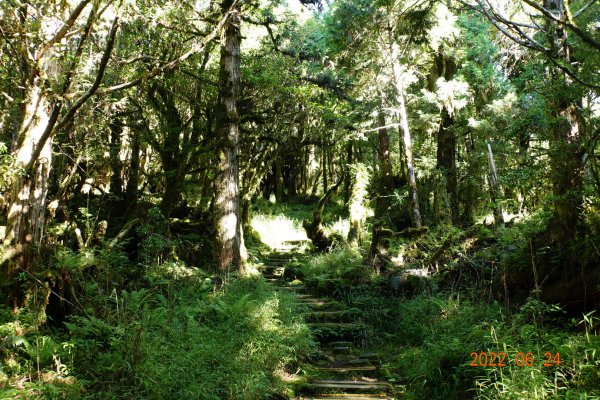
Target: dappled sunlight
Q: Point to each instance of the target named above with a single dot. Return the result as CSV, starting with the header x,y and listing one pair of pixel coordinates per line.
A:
x,y
339,227
276,231
488,219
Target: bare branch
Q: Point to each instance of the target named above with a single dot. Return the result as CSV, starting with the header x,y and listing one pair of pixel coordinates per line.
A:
x,y
571,74
569,23
99,76
582,9
63,30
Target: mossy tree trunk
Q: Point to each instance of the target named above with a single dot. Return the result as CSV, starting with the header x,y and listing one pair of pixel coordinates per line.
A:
x,y
228,241
385,186
38,121
446,143
404,128
324,170
567,131
314,228
116,182
494,188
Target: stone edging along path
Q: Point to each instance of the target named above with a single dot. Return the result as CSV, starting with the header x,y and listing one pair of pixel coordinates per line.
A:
x,y
341,370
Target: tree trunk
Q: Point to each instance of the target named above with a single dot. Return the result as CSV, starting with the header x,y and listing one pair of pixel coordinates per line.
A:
x,y
493,180
567,130
378,249
348,176
314,229
403,116
278,178
447,195
172,193
567,173
385,179
446,163
292,174
227,207
324,169
116,166
315,185
306,170
471,187
133,173
410,161
28,191
303,171
402,158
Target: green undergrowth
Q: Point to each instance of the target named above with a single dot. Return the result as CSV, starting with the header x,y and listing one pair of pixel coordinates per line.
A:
x,y
185,340
339,273
146,325
195,343
426,328
438,335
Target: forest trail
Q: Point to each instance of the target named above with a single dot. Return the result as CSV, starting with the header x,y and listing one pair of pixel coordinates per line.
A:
x,y
339,369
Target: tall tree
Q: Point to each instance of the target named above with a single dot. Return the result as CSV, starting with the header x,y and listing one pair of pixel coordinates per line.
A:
x,y
37,116
568,78
228,225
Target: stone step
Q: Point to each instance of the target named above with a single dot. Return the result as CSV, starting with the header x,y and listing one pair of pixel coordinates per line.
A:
x,y
337,312
271,266
359,361
349,396
369,356
342,350
274,273
295,242
336,325
317,304
349,385
347,368
278,257
339,343
330,315
294,288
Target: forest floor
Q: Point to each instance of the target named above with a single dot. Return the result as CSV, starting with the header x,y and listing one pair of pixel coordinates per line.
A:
x,y
340,368
441,335
299,324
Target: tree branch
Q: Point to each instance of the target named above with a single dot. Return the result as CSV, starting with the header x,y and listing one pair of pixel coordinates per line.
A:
x,y
196,48
63,30
569,23
99,76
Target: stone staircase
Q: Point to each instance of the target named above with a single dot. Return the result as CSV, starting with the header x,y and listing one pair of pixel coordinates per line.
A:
x,y
341,369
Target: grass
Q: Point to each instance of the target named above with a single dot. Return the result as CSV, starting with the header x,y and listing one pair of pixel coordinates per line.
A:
x,y
158,329
278,223
186,340
427,334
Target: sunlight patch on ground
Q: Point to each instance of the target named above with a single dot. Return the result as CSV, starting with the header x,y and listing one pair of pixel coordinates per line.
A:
x,y
340,227
488,219
274,231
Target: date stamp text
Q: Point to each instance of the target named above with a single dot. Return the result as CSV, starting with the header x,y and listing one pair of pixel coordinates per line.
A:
x,y
520,359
